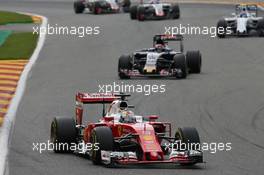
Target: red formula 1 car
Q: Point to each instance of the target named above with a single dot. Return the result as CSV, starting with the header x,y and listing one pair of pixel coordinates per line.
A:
x,y
121,137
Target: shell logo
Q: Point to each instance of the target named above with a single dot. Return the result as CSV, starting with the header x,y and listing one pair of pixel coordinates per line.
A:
x,y
148,138
119,130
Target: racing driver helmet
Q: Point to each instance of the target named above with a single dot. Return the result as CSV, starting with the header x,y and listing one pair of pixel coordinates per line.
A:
x,y
160,45
123,105
127,117
243,14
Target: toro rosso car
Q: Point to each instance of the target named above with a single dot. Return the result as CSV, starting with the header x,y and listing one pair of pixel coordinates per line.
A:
x,y
101,6
155,10
160,61
244,22
121,137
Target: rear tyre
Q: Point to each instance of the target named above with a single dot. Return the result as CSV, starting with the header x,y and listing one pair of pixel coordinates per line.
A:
x,y
261,27
221,26
190,136
141,13
175,11
103,137
180,64
194,61
63,134
133,12
124,63
78,7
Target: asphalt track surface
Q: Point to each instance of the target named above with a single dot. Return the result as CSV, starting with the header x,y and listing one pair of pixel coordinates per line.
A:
x,y
225,102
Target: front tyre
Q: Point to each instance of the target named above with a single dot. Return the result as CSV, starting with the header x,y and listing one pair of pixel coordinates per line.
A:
x,y
78,7
102,137
221,26
63,134
124,64
180,65
194,61
133,12
141,13
97,8
175,11
190,137
260,27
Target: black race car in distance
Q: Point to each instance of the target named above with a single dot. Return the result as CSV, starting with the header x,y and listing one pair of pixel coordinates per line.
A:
x,y
160,61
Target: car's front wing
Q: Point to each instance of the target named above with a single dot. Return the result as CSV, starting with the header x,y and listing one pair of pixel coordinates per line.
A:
x,y
162,73
126,158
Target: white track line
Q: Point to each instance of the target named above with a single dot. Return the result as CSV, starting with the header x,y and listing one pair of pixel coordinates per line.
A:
x,y
9,119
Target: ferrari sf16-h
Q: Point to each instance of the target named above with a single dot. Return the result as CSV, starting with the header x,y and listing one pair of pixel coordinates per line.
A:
x,y
155,10
121,137
244,22
101,6
160,61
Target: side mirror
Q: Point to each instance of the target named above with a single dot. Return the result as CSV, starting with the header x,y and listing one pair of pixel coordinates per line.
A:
x,y
131,106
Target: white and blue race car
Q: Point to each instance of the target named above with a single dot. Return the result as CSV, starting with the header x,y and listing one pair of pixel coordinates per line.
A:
x,y
245,22
154,9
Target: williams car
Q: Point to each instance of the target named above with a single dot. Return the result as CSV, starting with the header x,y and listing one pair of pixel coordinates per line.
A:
x,y
245,22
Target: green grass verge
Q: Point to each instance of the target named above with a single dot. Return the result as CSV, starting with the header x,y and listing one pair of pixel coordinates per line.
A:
x,y
12,17
18,46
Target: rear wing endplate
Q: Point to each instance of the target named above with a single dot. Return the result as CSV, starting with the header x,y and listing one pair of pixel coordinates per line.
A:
x,y
91,98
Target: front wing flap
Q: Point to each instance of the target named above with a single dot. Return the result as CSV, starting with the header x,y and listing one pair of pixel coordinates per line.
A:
x,y
183,157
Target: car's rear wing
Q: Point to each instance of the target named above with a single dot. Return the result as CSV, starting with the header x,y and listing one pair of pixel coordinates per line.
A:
x,y
91,98
165,38
250,7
